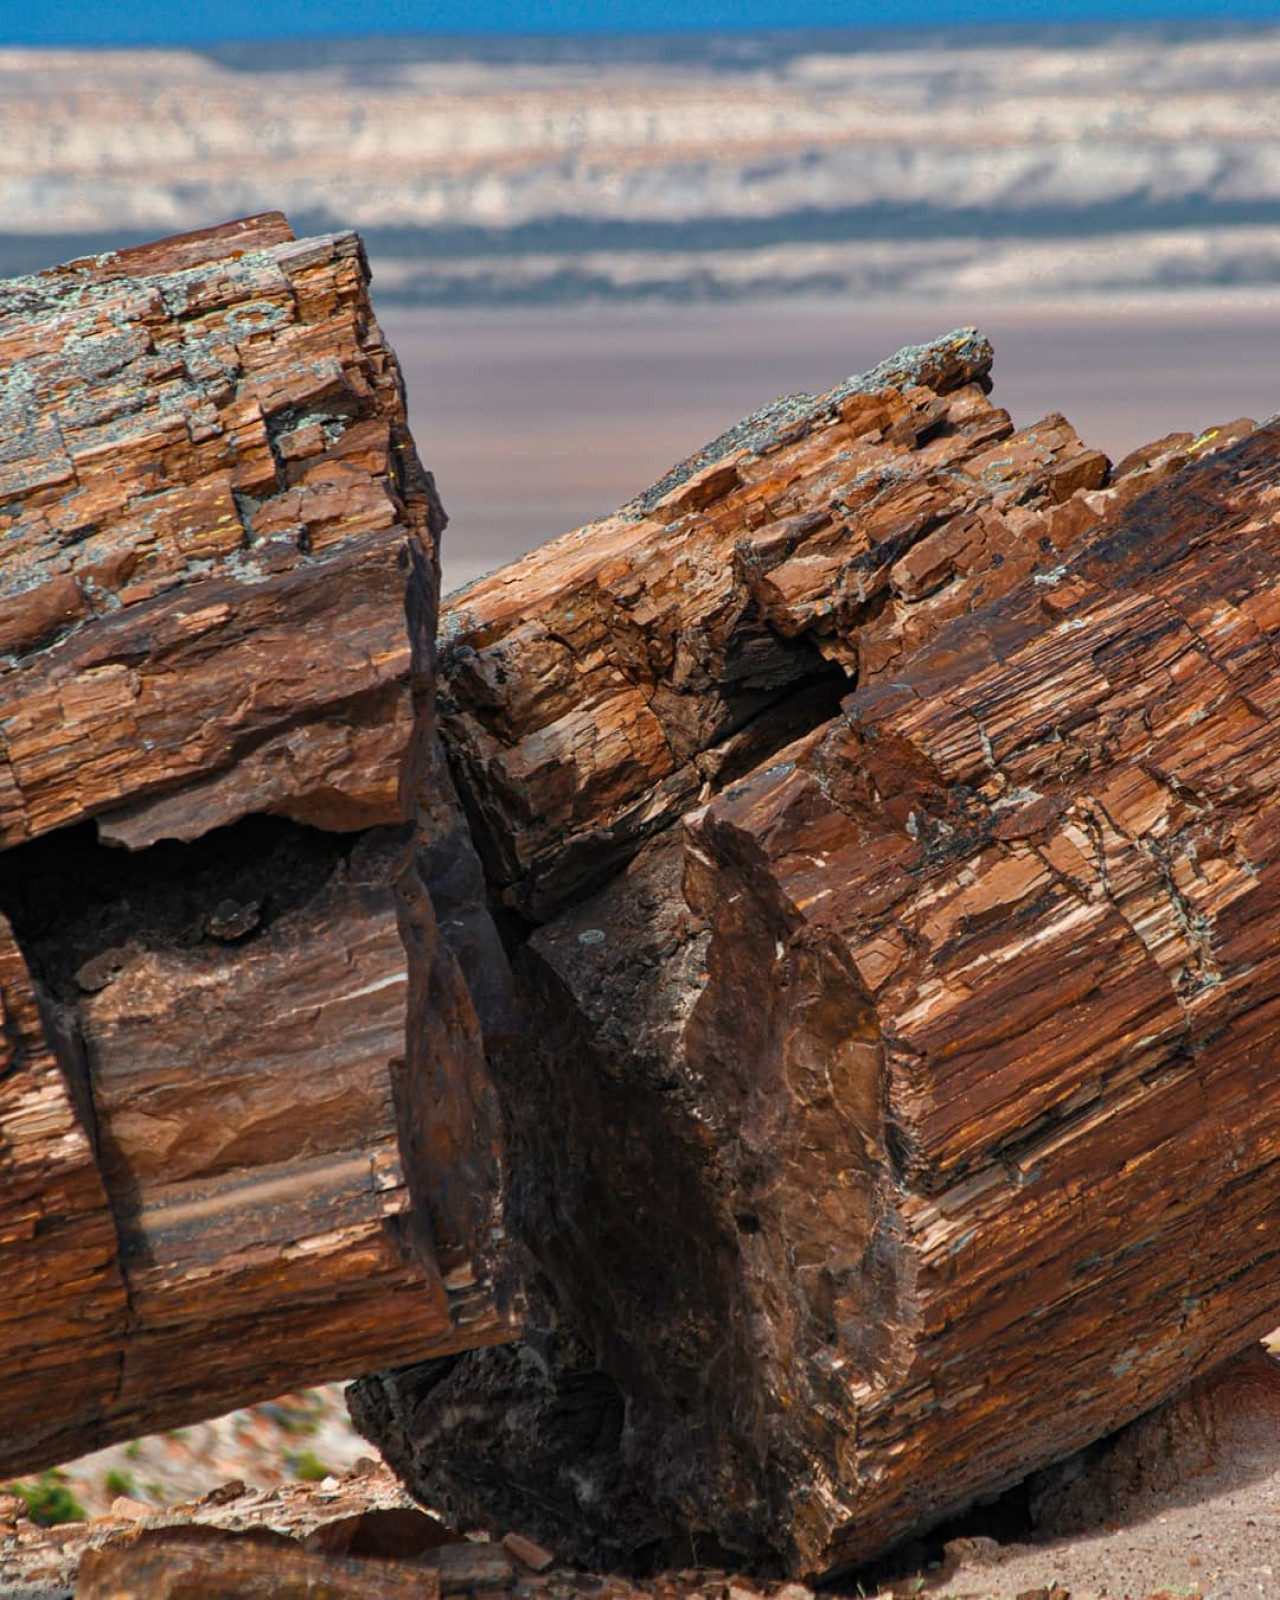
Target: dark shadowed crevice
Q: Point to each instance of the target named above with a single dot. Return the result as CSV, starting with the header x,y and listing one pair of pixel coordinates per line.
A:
x,y
781,720
776,695
75,903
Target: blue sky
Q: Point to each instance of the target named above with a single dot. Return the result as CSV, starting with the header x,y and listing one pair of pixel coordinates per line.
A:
x,y
193,21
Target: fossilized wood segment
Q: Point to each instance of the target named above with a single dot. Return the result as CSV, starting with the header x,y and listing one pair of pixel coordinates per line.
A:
x,y
209,499
245,1568
64,1299
905,1115
258,1066
596,688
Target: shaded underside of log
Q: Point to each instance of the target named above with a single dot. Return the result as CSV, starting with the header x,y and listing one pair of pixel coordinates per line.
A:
x,y
903,1114
240,1042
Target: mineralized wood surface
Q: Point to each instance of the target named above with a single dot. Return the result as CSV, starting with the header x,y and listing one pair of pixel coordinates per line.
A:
x,y
208,499
244,1569
905,1114
64,1300
594,689
884,805
248,1135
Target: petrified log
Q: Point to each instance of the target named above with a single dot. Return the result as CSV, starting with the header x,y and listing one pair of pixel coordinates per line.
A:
x,y
247,1138
884,807
903,1114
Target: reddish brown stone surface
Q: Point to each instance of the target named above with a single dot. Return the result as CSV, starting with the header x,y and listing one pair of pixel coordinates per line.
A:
x,y
64,1301
246,1052
596,688
905,1114
883,805
209,501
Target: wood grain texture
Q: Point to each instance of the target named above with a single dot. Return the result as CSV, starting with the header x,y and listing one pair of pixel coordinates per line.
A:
x,y
210,505
594,689
244,1568
270,1110
904,1114
65,1302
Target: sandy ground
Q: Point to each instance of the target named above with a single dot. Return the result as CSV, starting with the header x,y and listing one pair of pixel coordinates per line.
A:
x,y
537,421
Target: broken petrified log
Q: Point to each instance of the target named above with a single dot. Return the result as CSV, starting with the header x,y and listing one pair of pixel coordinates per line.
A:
x,y
895,792
595,688
903,1115
247,1138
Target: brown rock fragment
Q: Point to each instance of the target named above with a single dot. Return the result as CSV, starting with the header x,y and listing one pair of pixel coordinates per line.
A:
x,y
224,1493
385,1533
532,1555
466,1567
901,1115
128,1510
247,1114
230,1568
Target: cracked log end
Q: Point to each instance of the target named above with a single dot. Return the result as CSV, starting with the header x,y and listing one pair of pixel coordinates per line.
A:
x,y
249,1139
900,1112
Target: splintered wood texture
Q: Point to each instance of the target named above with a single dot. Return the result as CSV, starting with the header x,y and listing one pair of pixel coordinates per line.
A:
x,y
64,1302
965,1013
921,1068
245,1097
246,1132
259,1211
211,510
594,689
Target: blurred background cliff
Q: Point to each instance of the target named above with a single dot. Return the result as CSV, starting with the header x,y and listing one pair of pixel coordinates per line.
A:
x,y
593,249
